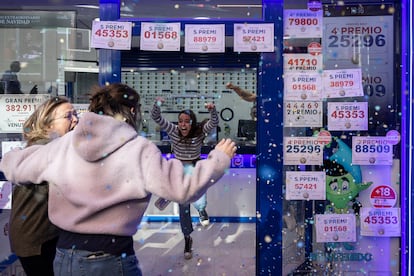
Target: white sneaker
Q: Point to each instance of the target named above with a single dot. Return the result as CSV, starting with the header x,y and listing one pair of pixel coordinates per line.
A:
x,y
204,220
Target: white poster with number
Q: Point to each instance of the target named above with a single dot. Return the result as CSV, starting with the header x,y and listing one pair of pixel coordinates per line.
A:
x,y
335,228
16,109
302,23
305,185
302,87
302,114
371,150
254,37
303,63
347,116
380,222
111,35
303,151
342,83
160,36
351,41
204,38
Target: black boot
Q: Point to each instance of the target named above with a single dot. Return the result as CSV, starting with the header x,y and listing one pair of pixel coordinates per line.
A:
x,y
204,220
187,249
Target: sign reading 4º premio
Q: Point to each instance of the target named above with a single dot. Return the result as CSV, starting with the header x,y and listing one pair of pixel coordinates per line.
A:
x,y
302,151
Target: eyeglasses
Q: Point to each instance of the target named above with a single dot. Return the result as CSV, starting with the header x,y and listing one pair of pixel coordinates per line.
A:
x,y
69,116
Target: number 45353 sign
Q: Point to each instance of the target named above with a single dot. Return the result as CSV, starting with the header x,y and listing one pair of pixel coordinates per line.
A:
x,y
111,35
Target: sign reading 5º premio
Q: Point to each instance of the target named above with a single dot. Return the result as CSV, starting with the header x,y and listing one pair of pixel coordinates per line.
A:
x,y
111,35
204,38
302,86
16,109
347,116
335,228
254,37
305,185
380,222
160,36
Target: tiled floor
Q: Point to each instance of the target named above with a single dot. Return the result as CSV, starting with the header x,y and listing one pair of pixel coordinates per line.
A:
x,y
221,249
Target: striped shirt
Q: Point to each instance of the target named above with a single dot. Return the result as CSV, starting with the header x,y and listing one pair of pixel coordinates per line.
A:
x,y
185,149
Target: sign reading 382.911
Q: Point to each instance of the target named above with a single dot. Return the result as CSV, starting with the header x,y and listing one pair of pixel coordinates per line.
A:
x,y
16,109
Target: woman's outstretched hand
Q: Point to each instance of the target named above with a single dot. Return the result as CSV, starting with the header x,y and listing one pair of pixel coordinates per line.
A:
x,y
227,146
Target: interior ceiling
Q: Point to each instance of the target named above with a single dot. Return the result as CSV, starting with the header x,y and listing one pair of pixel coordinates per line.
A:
x,y
88,10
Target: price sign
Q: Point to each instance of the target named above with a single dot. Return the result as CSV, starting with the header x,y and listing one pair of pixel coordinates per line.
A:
x,y
254,38
16,109
371,151
383,196
305,185
302,114
302,23
342,83
304,63
5,194
380,222
160,36
347,116
335,228
111,35
302,87
302,151
204,38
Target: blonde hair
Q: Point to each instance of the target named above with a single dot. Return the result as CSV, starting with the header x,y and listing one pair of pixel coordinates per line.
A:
x,y
35,128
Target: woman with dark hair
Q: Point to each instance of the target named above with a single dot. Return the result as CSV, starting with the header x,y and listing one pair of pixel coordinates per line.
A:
x,y
33,237
103,175
187,138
